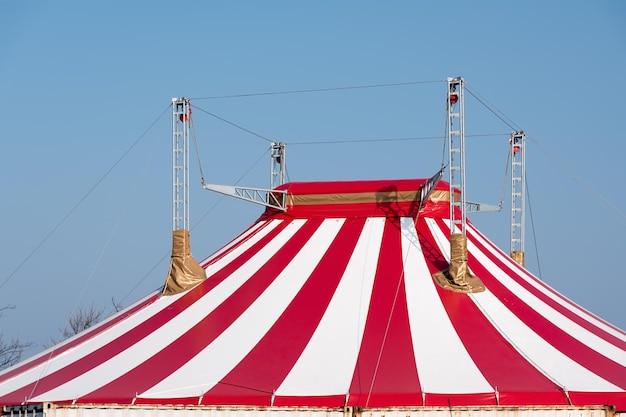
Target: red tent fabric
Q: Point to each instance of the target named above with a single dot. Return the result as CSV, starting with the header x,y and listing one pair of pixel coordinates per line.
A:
x,y
333,303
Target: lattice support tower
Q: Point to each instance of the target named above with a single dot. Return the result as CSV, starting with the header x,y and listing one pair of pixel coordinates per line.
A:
x,y
456,153
181,113
518,193
277,164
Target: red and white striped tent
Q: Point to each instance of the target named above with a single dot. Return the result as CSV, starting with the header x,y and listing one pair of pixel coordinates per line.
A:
x,y
332,303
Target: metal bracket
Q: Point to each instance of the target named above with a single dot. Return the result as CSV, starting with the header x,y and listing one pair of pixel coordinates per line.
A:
x,y
265,197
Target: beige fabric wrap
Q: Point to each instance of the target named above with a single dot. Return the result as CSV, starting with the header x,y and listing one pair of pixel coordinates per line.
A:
x,y
518,256
457,277
351,198
185,272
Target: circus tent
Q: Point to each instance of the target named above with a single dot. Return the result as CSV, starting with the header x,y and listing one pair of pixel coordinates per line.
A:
x,y
332,304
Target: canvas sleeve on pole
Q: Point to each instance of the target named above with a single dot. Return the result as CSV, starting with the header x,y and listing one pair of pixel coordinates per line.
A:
x,y
457,277
185,272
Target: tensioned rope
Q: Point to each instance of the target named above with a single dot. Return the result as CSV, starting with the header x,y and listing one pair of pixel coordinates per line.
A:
x,y
588,188
411,236
532,224
500,115
582,183
572,175
82,199
318,90
233,124
336,141
44,369
193,226
319,142
138,140
404,139
134,144
413,242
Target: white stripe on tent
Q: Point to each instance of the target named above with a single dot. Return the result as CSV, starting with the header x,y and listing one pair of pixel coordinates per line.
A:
x,y
346,315
94,327
168,332
570,327
88,346
229,257
136,320
230,347
439,353
546,358
571,306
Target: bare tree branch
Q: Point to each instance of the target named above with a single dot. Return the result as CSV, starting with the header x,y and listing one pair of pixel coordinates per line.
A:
x,y
117,306
11,351
81,320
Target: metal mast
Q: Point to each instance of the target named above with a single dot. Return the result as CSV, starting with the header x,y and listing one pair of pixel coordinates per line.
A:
x,y
456,153
457,276
181,112
518,194
277,164
184,272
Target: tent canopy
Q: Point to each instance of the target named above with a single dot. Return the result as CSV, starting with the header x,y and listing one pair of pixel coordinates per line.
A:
x,y
333,303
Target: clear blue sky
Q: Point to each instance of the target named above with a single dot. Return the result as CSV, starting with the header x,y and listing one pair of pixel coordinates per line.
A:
x,y
86,206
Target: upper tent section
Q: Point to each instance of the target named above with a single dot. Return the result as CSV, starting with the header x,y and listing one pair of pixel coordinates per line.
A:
x,y
375,198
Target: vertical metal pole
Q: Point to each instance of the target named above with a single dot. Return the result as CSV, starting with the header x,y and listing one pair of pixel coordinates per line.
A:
x,y
456,153
518,190
180,163
277,164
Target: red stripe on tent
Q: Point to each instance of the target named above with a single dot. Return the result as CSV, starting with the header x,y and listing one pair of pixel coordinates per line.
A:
x,y
503,399
483,342
404,398
311,401
87,334
573,348
90,360
266,366
591,327
18,396
455,400
220,275
618,399
348,187
139,332
386,363
192,401
557,337
372,209
97,357
188,345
